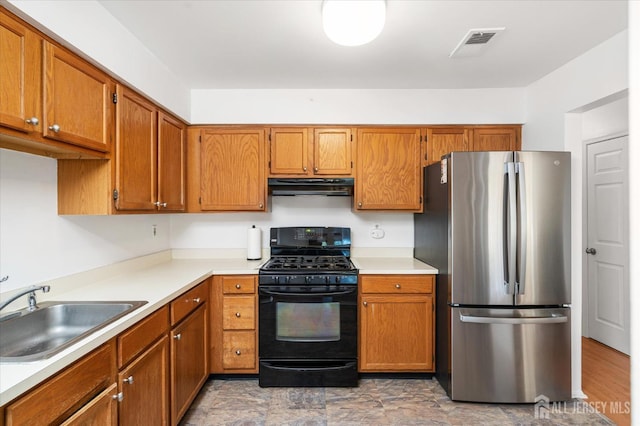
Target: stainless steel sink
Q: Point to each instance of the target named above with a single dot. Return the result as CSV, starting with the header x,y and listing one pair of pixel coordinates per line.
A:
x,y
54,326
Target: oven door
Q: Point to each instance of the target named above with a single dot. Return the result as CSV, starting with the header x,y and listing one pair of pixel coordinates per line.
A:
x,y
308,324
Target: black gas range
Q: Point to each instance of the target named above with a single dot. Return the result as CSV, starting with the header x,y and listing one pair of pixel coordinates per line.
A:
x,y
308,294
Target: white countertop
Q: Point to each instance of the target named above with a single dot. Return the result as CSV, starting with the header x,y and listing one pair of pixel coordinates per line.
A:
x,y
158,281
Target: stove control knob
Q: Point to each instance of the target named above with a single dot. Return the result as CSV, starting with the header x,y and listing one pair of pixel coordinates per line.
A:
x,y
337,280
307,279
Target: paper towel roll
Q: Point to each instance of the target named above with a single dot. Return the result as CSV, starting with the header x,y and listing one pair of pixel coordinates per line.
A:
x,y
254,243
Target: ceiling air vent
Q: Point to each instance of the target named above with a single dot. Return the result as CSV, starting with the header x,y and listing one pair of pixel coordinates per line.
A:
x,y
475,41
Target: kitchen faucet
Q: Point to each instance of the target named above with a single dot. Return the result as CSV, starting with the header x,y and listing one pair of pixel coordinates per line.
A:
x,y
31,291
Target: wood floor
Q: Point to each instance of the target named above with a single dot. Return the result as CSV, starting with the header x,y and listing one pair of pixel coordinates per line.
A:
x,y
606,380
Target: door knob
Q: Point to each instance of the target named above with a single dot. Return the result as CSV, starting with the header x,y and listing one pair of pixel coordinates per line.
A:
x,y
590,251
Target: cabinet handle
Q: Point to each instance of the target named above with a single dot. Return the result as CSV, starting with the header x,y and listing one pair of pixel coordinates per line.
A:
x,y
33,120
238,352
315,169
118,397
398,286
238,286
261,205
364,303
55,128
237,314
178,336
196,300
304,169
360,204
128,380
159,204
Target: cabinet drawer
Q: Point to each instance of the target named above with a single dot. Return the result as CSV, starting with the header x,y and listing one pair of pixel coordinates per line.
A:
x,y
239,350
134,340
238,284
401,284
238,313
59,397
182,305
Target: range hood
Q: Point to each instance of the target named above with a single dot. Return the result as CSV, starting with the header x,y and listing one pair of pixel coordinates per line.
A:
x,y
311,186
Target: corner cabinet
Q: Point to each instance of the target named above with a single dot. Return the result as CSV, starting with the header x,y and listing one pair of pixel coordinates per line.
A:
x,y
310,151
234,340
396,323
226,169
388,169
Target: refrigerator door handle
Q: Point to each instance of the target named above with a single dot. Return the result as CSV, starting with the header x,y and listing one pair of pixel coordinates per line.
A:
x,y
510,223
521,250
553,319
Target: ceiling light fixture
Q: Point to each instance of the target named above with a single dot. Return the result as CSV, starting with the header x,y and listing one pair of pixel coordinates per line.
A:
x,y
353,22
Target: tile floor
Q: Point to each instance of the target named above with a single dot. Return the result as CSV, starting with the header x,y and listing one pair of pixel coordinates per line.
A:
x,y
374,402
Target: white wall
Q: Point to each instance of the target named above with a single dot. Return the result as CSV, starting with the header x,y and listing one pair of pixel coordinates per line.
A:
x,y
554,107
309,106
37,244
96,34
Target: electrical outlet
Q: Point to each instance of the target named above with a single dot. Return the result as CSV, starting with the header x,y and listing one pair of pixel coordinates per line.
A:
x,y
154,230
377,232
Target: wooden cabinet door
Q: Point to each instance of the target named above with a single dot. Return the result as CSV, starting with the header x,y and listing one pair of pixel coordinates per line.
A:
x,y
231,170
189,362
396,333
145,387
171,163
288,147
78,100
389,169
101,411
21,76
442,140
495,139
135,154
332,151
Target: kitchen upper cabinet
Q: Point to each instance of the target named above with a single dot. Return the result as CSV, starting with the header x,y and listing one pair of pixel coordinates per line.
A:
x,y
234,339
135,152
172,150
388,169
78,100
303,151
442,140
21,76
502,138
396,323
227,169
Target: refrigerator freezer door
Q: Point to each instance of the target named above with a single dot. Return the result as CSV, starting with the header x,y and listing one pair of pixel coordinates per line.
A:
x,y
478,198
543,275
510,355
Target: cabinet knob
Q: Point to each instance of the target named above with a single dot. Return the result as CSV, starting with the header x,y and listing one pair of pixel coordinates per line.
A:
x,y
590,251
304,169
237,314
128,380
238,352
397,286
178,336
364,303
261,205
360,204
159,204
238,286
33,120
55,128
196,300
315,169
118,397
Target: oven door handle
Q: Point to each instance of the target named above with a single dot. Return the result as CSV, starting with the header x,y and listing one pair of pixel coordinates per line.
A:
x,y
346,366
285,293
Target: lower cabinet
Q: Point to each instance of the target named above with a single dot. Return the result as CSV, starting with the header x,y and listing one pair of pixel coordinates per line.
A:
x,y
189,348
396,323
80,386
234,340
147,375
189,366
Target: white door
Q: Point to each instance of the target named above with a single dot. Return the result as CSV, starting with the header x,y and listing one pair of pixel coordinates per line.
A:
x,y
607,249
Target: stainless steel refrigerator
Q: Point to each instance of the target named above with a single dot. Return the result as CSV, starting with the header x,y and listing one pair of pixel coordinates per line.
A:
x,y
497,227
